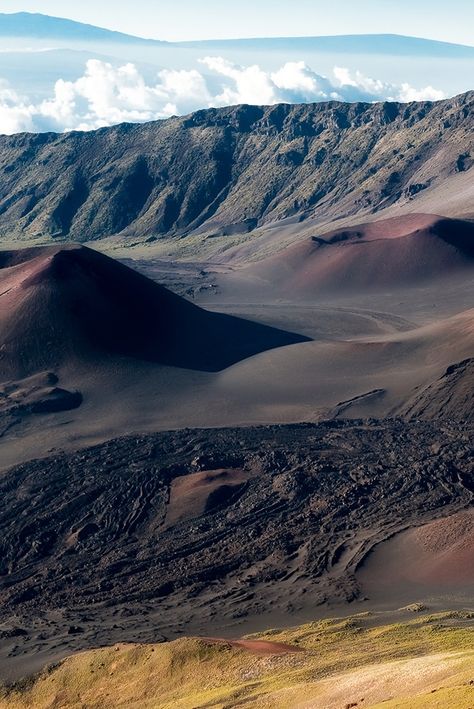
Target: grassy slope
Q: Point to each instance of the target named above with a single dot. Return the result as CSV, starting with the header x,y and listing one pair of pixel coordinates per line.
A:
x,y
345,661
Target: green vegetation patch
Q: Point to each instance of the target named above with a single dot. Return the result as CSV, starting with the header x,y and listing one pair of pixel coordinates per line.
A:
x,y
337,653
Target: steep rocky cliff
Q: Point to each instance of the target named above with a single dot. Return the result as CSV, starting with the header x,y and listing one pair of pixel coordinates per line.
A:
x,y
228,170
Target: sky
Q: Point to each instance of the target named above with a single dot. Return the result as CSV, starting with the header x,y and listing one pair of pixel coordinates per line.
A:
x,y
451,21
84,92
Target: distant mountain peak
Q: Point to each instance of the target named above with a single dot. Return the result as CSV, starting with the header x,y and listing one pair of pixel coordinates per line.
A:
x,y
39,26
391,44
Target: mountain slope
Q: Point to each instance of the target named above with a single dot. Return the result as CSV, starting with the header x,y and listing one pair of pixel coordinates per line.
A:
x,y
452,395
383,44
39,26
391,253
58,306
231,169
417,663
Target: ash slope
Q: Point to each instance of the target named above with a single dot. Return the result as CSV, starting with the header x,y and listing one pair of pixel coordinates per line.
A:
x,y
59,306
137,538
402,252
452,395
231,169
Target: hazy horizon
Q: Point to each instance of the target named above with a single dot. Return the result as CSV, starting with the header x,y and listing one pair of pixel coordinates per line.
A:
x,y
91,79
230,38
181,22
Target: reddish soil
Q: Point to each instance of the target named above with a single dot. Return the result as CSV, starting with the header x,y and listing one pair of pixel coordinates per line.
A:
x,y
67,304
194,494
438,556
392,253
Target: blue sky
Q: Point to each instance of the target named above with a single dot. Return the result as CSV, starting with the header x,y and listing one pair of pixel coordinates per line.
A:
x,y
193,19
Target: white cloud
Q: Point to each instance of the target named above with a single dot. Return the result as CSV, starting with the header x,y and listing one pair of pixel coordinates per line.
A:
x,y
15,114
296,79
367,87
408,93
106,95
248,84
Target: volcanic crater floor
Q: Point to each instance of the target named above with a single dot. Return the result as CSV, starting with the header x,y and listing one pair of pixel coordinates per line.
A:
x,y
220,532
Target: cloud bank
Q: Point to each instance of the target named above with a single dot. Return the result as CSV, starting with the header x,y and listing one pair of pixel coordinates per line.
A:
x,y
106,95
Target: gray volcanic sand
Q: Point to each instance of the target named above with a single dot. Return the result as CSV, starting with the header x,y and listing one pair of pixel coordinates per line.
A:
x,y
158,536
389,342
371,350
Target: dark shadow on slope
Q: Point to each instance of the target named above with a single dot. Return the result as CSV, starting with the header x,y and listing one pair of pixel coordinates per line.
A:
x,y
456,232
75,303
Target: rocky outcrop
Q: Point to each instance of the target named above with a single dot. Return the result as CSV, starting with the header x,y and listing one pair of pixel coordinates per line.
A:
x,y
220,168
